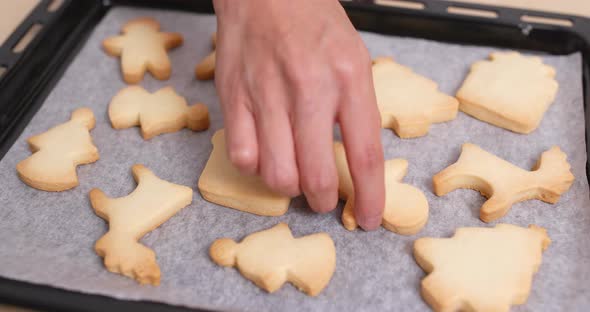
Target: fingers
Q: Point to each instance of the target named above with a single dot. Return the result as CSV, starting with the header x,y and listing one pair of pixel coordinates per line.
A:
x,y
313,129
240,133
258,135
277,164
363,149
240,129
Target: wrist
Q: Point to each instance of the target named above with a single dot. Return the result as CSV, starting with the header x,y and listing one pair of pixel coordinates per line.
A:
x,y
234,7
229,7
221,5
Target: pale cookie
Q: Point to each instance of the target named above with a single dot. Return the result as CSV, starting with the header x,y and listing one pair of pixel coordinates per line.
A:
x,y
480,269
272,257
142,47
223,184
205,70
504,183
57,152
408,102
161,112
509,91
406,207
152,203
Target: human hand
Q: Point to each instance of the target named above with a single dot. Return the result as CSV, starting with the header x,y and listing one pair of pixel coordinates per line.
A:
x,y
286,71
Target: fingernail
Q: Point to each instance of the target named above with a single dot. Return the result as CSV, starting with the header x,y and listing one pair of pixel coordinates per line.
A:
x,y
370,223
322,204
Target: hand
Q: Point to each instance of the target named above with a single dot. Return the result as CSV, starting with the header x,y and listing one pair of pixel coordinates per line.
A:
x,y
286,71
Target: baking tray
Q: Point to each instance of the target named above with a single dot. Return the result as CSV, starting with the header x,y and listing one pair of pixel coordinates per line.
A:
x,y
31,75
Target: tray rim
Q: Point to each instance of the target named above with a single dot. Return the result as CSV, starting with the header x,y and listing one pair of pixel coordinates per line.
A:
x,y
38,296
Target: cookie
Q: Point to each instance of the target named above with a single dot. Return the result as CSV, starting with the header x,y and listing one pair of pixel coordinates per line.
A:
x,y
504,183
409,103
272,257
480,269
510,91
57,152
406,207
221,183
161,112
142,47
205,70
152,203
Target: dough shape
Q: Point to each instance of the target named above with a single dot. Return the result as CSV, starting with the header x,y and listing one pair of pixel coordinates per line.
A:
x,y
510,91
57,152
152,203
272,257
143,47
205,70
161,112
408,102
221,183
504,183
406,207
480,269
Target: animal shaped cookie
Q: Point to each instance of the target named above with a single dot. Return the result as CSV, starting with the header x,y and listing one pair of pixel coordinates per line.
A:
x,y
510,91
504,183
205,70
223,184
142,47
480,269
152,203
406,207
57,152
409,103
272,257
161,112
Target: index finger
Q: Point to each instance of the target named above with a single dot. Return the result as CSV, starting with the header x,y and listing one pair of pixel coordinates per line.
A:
x,y
360,124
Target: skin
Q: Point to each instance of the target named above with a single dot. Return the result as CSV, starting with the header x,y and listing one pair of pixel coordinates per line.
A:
x,y
286,72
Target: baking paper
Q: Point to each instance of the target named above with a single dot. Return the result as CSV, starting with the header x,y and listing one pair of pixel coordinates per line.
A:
x,y
48,238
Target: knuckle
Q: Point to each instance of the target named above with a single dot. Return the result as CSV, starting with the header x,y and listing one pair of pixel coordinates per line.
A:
x,y
256,81
231,92
319,183
283,181
300,78
369,159
310,99
348,70
243,158
307,108
304,73
349,66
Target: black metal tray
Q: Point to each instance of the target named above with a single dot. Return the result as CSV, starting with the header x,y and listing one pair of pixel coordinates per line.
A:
x,y
31,75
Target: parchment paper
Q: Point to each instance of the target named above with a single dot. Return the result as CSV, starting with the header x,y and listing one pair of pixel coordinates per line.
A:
x,y
48,238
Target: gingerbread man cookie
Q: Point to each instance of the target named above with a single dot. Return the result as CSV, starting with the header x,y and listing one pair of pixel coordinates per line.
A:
x,y
406,207
504,183
152,203
409,103
57,152
142,47
509,91
205,70
223,184
272,257
161,112
480,269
